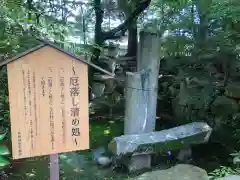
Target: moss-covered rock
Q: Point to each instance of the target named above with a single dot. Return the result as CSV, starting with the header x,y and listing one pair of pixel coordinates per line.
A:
x,y
180,171
236,117
224,106
233,91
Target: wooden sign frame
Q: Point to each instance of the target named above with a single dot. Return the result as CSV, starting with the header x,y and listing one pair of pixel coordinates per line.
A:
x,y
48,95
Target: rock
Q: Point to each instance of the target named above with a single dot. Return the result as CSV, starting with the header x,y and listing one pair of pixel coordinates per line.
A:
x,y
178,172
233,91
99,156
96,153
236,160
224,106
236,117
98,89
174,92
104,161
233,177
139,162
1,57
218,123
185,155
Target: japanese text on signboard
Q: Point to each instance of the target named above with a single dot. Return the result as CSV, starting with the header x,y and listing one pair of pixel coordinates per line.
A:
x,y
74,93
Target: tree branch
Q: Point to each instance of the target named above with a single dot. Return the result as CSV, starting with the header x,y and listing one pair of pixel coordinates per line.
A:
x,y
122,28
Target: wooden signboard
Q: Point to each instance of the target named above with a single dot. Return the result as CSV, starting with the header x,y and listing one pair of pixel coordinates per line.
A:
x,y
48,95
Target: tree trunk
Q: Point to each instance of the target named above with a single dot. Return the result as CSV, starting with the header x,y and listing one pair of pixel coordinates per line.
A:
x,y
132,40
201,31
98,42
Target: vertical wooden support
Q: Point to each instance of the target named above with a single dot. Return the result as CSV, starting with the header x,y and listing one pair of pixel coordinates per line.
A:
x,y
141,95
54,167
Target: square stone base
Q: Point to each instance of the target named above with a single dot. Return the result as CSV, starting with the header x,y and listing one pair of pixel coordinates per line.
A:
x,y
139,161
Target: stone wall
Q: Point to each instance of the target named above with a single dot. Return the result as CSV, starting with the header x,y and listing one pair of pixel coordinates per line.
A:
x,y
215,104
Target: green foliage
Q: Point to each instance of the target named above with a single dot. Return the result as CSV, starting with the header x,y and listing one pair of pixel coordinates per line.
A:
x,y
19,26
4,130
3,161
2,136
222,172
200,51
201,56
107,130
236,159
4,151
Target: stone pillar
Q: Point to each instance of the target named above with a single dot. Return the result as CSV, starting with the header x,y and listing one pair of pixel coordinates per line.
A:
x,y
141,95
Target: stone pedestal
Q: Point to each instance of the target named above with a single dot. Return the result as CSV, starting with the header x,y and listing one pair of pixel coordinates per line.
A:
x,y
139,161
141,146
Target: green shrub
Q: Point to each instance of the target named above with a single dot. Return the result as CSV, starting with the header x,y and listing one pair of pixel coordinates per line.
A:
x,y
222,171
4,130
4,151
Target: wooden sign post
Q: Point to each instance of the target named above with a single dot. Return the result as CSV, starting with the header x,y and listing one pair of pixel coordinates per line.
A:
x,y
48,95
54,167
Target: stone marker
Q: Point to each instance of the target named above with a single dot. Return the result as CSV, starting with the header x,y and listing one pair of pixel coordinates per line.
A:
x,y
141,91
170,139
162,141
